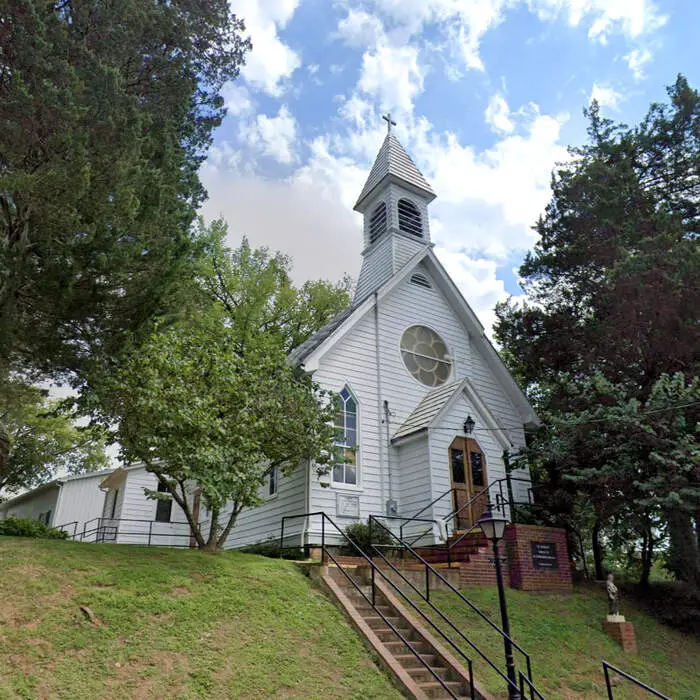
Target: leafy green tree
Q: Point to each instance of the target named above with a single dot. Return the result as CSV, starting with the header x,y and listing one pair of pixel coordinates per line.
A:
x,y
106,112
610,327
43,439
213,403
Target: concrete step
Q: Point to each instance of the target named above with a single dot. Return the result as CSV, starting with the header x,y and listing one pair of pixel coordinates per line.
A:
x,y
434,689
377,622
398,647
386,634
409,661
421,674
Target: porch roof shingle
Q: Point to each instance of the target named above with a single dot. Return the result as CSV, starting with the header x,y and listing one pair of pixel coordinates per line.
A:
x,y
428,409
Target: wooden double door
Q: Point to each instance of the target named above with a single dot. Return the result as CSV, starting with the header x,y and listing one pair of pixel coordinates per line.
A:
x,y
469,482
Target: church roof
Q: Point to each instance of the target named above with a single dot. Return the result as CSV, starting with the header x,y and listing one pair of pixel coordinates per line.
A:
x,y
301,352
428,409
393,161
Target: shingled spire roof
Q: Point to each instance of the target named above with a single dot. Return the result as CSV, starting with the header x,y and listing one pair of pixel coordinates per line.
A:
x,y
393,162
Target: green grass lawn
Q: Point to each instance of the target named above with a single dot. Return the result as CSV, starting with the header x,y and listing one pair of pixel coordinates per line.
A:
x,y
170,624
564,636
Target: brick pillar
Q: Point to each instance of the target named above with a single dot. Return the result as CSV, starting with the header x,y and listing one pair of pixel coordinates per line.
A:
x,y
623,633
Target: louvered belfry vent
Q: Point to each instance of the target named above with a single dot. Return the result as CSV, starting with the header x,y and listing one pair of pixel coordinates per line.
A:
x,y
377,222
409,218
421,281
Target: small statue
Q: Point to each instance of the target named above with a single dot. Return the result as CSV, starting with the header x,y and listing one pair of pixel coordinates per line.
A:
x,y
613,596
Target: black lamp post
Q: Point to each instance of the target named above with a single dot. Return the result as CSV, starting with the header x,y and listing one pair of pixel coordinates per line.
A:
x,y
493,527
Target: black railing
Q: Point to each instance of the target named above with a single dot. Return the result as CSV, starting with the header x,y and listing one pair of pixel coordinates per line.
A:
x,y
372,599
65,528
104,530
609,667
374,521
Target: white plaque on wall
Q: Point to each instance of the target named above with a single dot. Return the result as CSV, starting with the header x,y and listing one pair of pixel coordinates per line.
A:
x,y
347,506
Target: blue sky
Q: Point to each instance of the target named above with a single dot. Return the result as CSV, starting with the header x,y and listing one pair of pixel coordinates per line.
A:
x,y
487,95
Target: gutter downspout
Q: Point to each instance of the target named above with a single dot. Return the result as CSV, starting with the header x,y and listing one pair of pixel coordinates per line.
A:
x,y
379,400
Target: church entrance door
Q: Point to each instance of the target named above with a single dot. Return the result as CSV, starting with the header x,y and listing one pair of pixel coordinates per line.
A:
x,y
468,474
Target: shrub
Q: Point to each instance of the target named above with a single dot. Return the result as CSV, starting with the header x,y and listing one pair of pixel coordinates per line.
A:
x,y
271,548
359,534
22,527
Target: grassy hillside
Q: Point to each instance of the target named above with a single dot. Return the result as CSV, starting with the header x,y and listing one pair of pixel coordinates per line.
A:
x,y
564,636
170,623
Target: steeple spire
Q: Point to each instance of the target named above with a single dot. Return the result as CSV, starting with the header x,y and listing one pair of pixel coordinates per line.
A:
x,y
393,164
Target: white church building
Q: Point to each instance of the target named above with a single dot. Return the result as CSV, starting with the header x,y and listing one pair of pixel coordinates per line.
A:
x,y
414,370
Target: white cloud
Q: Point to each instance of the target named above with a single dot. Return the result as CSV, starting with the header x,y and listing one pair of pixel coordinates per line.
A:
x,y
392,76
271,60
605,95
236,99
497,114
273,136
630,17
636,60
360,29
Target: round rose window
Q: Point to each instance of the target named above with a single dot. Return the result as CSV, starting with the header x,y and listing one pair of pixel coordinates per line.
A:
x,y
425,355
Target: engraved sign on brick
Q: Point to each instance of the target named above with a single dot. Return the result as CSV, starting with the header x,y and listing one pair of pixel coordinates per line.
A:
x,y
544,555
347,506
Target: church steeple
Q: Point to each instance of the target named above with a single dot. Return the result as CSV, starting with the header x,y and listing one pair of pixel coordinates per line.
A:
x,y
394,203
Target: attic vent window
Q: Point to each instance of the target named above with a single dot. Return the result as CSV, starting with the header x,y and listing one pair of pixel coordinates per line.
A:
x,y
377,222
409,218
421,281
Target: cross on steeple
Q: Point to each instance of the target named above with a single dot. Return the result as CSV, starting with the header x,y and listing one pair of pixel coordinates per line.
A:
x,y
389,122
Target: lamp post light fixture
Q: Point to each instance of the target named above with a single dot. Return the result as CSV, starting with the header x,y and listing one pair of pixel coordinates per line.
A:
x,y
469,424
494,527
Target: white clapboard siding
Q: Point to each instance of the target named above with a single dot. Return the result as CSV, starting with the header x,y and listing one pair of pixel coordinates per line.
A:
x,y
352,362
262,523
80,500
414,478
137,514
35,504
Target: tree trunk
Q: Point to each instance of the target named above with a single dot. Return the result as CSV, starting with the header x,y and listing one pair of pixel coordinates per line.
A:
x,y
229,525
212,542
597,550
684,555
647,556
181,500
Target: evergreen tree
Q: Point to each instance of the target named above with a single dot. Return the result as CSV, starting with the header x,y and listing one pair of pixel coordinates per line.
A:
x,y
609,327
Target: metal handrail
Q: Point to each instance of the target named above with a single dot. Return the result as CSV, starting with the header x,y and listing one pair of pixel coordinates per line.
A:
x,y
444,617
634,680
63,527
504,479
525,681
474,608
372,601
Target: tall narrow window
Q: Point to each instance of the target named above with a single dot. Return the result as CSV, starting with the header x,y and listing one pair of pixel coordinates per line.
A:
x,y
409,218
164,509
273,482
377,222
115,495
345,458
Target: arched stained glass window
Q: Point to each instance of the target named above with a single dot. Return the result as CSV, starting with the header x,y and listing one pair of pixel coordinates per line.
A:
x,y
377,222
345,457
409,218
425,355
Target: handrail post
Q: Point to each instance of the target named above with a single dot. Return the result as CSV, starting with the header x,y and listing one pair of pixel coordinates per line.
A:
x,y
150,531
607,681
374,590
323,539
427,583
